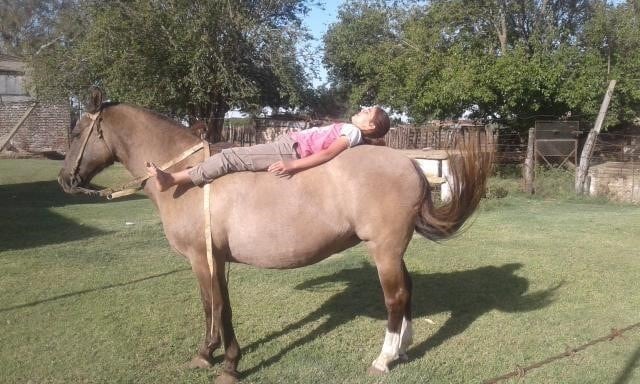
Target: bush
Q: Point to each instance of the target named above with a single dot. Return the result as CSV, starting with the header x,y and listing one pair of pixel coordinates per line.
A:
x,y
554,183
557,183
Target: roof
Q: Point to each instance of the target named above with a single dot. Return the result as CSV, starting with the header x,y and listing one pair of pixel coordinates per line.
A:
x,y
11,63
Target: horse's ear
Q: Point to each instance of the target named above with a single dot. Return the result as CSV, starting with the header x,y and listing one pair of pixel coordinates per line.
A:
x,y
94,99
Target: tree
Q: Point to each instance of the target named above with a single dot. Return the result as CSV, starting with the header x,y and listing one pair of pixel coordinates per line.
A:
x,y
190,59
354,47
515,60
612,40
27,25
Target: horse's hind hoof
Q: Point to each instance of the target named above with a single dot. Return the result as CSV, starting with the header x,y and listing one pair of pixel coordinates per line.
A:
x,y
373,371
199,362
226,378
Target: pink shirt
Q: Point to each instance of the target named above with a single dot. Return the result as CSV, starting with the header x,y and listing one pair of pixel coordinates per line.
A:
x,y
316,139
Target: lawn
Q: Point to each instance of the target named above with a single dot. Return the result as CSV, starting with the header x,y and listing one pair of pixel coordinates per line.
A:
x,y
90,292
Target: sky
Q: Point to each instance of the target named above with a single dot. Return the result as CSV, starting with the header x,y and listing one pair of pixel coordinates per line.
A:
x,y
318,21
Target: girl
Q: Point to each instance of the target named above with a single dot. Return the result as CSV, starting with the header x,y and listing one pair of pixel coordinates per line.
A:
x,y
285,156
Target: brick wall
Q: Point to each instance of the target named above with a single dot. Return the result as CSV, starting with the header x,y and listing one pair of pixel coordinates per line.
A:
x,y
45,130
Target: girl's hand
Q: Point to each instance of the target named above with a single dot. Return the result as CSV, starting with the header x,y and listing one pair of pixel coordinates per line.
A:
x,y
282,168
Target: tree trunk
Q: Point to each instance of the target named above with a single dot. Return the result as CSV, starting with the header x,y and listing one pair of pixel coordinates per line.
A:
x,y
501,28
216,121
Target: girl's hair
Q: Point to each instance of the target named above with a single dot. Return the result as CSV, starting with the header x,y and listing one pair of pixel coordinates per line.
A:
x,y
382,123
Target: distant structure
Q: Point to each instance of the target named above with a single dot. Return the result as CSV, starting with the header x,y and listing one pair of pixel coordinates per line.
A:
x,y
12,80
28,127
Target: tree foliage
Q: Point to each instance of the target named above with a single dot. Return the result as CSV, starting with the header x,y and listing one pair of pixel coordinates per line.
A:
x,y
193,59
28,25
515,60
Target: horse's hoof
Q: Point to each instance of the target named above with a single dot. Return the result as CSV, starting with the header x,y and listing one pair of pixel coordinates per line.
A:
x,y
373,371
226,378
199,362
403,358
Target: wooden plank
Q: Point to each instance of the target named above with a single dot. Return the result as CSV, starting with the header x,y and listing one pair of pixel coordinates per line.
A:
x,y
435,180
529,167
431,154
587,151
5,140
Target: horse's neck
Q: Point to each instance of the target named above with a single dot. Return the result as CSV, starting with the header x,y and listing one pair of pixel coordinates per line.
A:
x,y
145,137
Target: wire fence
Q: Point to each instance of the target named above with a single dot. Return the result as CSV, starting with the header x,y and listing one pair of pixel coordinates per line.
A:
x,y
520,372
614,170
614,167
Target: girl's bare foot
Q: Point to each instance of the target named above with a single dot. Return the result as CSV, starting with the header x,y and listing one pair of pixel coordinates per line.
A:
x,y
163,179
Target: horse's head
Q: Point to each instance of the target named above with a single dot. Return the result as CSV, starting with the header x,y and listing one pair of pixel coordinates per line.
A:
x,y
88,152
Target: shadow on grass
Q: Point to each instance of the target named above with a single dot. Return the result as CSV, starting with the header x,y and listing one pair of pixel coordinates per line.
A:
x,y
104,287
632,365
467,295
27,220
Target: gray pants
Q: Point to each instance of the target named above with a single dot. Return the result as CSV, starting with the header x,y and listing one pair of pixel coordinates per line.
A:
x,y
254,158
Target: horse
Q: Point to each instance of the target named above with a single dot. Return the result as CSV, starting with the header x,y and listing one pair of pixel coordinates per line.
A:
x,y
370,194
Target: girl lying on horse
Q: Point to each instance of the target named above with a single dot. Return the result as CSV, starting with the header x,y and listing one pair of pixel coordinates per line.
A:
x,y
288,154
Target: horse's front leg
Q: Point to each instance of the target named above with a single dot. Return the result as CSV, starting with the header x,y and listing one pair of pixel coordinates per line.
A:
x,y
221,315
396,285
211,341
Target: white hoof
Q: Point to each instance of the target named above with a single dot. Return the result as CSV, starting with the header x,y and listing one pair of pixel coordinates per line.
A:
x,y
380,365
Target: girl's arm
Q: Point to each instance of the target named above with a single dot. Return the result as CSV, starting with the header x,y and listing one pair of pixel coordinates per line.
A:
x,y
291,167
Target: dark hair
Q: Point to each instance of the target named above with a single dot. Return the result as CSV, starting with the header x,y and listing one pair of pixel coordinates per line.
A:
x,y
382,123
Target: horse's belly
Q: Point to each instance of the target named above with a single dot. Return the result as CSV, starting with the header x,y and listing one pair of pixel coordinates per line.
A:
x,y
283,247
279,260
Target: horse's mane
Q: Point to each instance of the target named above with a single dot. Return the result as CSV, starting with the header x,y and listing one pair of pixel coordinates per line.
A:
x,y
153,113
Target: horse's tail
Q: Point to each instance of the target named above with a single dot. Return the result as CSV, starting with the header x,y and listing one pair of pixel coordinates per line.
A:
x,y
469,169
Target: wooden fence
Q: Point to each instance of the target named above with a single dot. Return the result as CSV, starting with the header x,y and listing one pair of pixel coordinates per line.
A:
x,y
400,137
440,136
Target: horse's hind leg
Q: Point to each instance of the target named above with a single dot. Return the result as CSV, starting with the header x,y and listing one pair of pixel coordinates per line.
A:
x,y
396,286
204,357
406,330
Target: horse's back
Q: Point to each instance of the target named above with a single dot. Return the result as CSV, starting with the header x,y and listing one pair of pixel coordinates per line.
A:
x,y
277,222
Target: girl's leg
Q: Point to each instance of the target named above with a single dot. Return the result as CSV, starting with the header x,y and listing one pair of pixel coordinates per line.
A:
x,y
165,180
255,158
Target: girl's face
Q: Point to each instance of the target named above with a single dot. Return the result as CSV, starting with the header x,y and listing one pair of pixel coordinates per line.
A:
x,y
364,119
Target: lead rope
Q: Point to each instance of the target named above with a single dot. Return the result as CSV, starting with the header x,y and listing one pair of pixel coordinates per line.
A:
x,y
136,184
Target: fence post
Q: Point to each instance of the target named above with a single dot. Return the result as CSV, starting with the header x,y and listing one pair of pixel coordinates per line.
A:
x,y
529,164
587,151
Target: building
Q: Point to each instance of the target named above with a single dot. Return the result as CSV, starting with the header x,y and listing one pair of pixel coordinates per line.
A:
x,y
45,126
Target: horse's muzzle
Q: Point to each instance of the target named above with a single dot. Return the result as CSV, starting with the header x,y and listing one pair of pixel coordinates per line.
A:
x,y
68,182
73,185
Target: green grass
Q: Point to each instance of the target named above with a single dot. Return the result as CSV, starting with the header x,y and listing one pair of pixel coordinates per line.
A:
x,y
91,293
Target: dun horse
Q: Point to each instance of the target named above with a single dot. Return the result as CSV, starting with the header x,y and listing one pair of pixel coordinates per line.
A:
x,y
367,194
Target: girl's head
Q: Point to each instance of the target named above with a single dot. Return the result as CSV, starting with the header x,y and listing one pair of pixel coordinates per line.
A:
x,y
373,122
